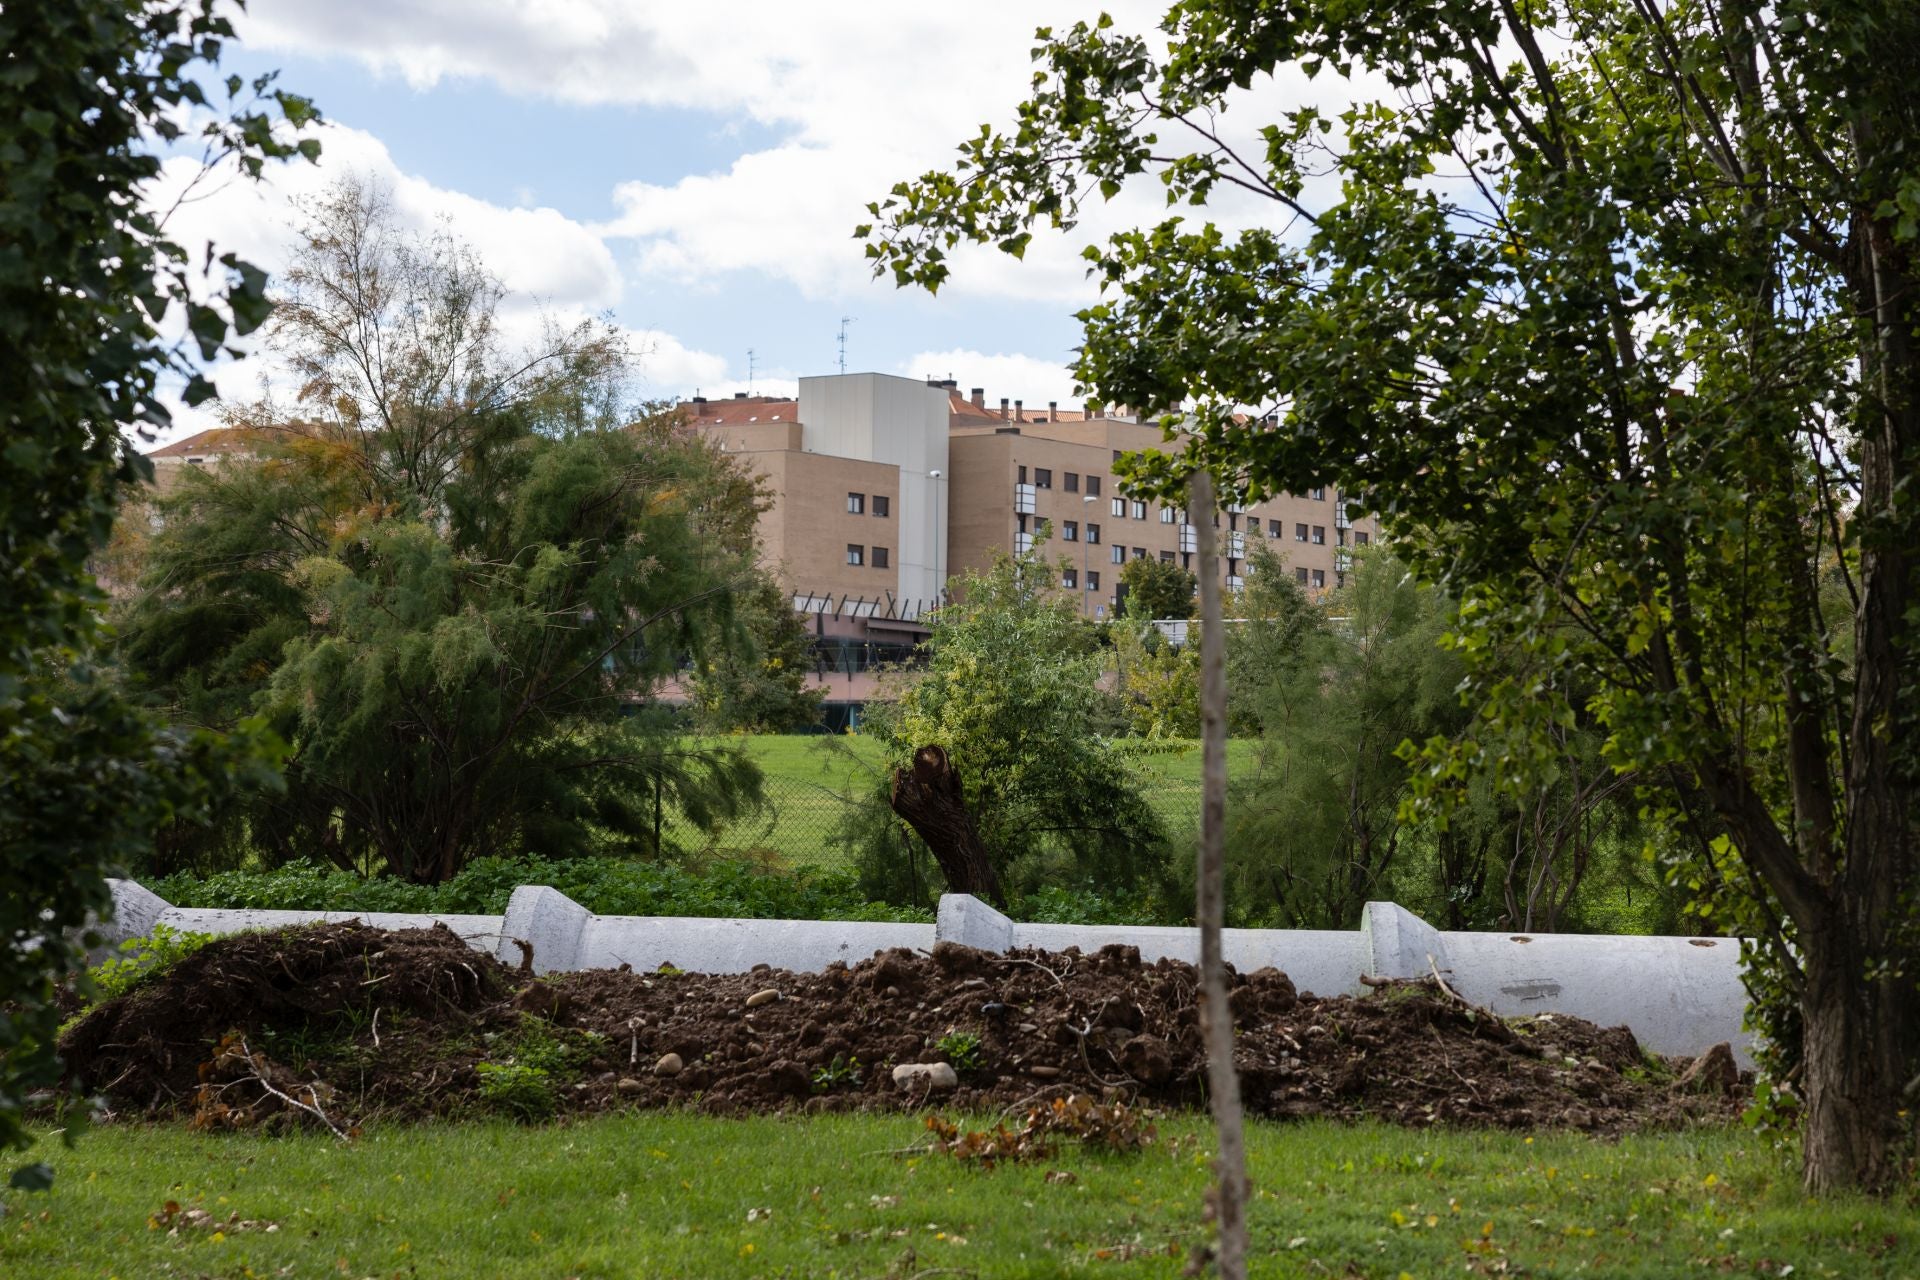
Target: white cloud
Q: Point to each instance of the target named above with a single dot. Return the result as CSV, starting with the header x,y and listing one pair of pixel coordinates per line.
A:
x,y
553,268
1009,374
867,94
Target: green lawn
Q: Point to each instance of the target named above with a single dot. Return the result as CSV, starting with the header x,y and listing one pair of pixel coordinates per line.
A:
x,y
681,1195
809,783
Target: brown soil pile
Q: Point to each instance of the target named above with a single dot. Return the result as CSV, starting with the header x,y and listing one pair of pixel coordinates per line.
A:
x,y
404,1023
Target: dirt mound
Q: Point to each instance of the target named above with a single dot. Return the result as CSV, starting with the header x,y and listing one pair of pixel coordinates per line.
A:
x,y
414,1023
148,1045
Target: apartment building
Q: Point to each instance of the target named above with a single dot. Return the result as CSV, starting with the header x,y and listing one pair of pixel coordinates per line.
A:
x,y
885,488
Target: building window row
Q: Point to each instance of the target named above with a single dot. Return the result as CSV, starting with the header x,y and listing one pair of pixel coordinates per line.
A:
x,y
857,504
857,555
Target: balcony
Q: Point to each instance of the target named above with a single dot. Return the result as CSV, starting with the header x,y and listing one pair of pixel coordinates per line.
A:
x,y
1023,499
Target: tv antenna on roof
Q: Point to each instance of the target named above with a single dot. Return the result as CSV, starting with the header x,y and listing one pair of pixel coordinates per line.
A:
x,y
844,322
750,367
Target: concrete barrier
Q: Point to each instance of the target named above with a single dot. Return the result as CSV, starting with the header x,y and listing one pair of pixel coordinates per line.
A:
x,y
1679,995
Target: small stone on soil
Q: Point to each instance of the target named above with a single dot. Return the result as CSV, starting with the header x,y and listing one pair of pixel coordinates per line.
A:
x,y
926,1075
629,1086
759,998
669,1065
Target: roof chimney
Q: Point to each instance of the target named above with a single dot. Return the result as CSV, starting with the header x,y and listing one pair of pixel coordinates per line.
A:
x,y
1003,408
1053,411
1018,416
979,397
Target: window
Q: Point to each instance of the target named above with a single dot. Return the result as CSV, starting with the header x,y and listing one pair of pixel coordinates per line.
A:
x,y
882,505
1070,531
1139,553
1359,537
1318,495
1042,478
1319,577
1166,515
1021,478
856,554
1319,535
1116,455
879,557
1071,482
1093,486
1022,543
1119,555
1119,508
1093,580
1139,510
1273,530
1166,557
1093,533
1301,574
1069,577
1300,535
856,504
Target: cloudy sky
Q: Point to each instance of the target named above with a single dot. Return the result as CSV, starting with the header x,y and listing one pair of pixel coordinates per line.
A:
x,y
693,169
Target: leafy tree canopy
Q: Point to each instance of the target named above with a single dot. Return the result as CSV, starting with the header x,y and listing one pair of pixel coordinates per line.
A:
x,y
1009,692
1610,309
1157,589
90,287
452,578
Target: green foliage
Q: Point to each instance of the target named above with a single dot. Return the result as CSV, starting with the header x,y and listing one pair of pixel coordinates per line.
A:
x,y
1011,692
1157,589
141,958
523,1092
758,684
1316,831
1609,310
90,290
1158,682
606,886
454,583
960,1050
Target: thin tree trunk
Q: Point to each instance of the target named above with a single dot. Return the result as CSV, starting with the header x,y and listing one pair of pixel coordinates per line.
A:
x,y
1230,1165
929,796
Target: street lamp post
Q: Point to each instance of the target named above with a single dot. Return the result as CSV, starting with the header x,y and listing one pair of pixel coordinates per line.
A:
x,y
1086,603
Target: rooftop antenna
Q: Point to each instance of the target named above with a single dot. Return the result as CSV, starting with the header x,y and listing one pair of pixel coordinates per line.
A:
x,y
750,367
844,322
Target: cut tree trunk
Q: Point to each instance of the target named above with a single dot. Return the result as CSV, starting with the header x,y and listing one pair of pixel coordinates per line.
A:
x,y
928,795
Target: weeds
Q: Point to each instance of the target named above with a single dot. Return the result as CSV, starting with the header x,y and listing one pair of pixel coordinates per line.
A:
x,y
523,1092
960,1050
141,958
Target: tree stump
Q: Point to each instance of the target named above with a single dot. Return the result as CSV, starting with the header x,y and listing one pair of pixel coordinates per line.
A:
x,y
928,796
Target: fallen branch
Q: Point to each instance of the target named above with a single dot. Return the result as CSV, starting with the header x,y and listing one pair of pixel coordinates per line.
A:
x,y
260,1077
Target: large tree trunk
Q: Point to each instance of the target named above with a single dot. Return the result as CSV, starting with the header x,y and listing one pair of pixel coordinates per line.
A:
x,y
928,795
1862,960
1223,1082
1854,1069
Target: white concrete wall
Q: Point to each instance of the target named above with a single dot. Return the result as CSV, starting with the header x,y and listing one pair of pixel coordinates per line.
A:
x,y
1680,995
876,417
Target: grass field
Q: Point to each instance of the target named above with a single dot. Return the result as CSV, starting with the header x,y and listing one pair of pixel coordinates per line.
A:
x,y
681,1195
810,779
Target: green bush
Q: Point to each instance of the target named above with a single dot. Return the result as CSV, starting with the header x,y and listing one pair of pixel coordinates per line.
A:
x,y
607,886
